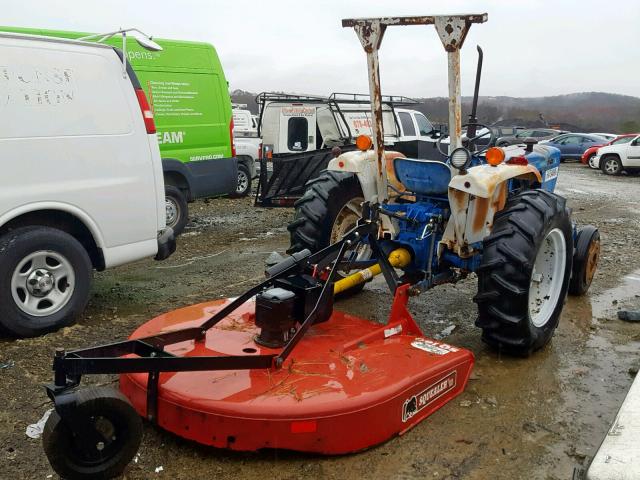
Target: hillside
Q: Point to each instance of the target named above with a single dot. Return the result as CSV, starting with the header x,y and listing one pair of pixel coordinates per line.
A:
x,y
588,111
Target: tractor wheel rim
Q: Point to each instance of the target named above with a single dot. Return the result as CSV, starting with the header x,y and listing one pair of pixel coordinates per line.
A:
x,y
592,161
347,219
243,182
547,277
592,261
42,283
611,166
172,212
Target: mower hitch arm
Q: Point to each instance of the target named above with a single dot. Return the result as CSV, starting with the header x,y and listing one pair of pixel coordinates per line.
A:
x,y
149,351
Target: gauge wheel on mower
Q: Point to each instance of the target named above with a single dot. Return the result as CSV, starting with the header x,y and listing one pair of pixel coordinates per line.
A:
x,y
116,430
585,260
330,207
525,271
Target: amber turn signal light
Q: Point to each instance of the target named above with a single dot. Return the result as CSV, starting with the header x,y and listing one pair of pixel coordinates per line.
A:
x,y
494,156
364,142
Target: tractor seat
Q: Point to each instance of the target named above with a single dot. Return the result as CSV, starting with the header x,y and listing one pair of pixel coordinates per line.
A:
x,y
424,177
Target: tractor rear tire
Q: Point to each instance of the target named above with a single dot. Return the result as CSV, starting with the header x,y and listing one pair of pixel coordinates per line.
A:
x,y
525,271
328,209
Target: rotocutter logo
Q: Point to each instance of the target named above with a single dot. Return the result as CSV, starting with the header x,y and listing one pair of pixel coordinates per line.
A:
x,y
429,395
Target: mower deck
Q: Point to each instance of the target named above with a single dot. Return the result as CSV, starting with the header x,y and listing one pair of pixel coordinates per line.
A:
x,y
348,385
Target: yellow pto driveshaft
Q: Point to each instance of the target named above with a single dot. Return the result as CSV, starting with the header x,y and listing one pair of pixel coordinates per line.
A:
x,y
399,258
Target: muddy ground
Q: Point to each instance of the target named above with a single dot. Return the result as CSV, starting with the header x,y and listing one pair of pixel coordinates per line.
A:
x,y
535,418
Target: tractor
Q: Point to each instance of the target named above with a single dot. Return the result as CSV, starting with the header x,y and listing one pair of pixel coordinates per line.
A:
x,y
278,367
487,210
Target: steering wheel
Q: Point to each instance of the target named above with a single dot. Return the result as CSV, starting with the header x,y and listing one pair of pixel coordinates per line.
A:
x,y
470,143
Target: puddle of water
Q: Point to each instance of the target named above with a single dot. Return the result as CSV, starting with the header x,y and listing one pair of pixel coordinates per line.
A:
x,y
602,304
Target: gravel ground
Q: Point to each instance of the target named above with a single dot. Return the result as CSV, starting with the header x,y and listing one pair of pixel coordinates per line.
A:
x,y
535,418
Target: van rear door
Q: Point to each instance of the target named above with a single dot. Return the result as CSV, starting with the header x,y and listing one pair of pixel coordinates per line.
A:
x,y
297,128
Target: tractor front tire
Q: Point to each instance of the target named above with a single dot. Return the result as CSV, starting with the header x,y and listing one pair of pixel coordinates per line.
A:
x,y
330,207
525,271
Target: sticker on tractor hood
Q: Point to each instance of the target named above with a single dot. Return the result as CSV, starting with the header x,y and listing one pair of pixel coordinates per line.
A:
x,y
432,346
414,404
550,174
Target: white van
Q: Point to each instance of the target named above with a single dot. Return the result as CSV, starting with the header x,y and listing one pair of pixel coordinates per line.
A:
x,y
302,123
248,147
81,184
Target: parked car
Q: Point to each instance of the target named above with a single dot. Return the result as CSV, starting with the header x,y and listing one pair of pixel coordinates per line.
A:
x,y
498,133
537,133
614,159
573,145
608,136
189,96
588,157
81,185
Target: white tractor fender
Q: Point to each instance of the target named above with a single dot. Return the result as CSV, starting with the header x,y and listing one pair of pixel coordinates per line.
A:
x,y
481,181
363,165
474,198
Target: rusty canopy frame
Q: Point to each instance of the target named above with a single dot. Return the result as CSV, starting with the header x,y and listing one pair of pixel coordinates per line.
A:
x,y
452,30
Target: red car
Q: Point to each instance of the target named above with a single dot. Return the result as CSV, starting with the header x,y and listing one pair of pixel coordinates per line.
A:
x,y
589,154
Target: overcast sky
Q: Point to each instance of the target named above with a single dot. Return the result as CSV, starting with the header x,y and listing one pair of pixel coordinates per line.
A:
x,y
532,47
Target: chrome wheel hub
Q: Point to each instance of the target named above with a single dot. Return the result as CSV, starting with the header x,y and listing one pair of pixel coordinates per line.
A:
x,y
243,182
611,166
42,283
171,212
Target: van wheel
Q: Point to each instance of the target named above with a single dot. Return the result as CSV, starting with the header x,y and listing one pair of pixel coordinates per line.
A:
x,y
176,208
244,182
45,279
524,275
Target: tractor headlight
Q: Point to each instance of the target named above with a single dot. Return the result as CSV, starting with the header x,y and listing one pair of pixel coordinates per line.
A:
x,y
460,158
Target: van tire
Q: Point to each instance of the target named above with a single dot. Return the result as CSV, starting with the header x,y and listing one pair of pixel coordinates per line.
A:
x,y
530,246
177,209
53,249
244,182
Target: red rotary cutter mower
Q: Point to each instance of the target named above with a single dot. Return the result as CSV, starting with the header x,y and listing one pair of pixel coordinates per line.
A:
x,y
276,367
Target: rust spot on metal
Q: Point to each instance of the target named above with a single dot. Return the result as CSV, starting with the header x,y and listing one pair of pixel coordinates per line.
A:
x,y
459,199
501,199
480,210
592,261
391,172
